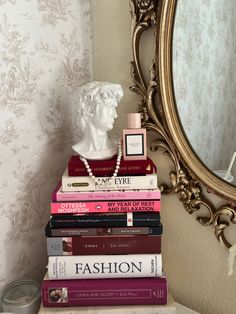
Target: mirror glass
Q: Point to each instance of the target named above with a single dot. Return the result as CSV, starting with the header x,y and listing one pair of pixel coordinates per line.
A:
x,y
204,77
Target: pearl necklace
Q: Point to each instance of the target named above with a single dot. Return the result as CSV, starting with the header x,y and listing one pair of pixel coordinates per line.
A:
x,y
117,168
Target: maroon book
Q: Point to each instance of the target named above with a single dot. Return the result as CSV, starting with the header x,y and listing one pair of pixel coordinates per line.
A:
x,y
104,168
95,292
102,245
70,232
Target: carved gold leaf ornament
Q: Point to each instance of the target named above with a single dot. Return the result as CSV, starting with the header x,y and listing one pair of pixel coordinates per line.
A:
x,y
159,116
220,224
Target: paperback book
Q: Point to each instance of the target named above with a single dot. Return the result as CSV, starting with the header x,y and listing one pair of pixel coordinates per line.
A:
x,y
106,220
106,167
104,266
59,196
110,244
105,206
59,293
96,231
86,183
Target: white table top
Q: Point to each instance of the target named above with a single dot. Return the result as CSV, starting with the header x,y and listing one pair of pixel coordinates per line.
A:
x,y
180,309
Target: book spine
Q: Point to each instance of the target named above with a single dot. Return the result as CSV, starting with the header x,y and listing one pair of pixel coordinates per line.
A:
x,y
76,184
106,220
94,245
104,266
69,232
135,291
59,196
105,207
106,167
56,190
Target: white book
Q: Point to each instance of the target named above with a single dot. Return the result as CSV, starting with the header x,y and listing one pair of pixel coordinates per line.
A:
x,y
86,183
104,266
169,308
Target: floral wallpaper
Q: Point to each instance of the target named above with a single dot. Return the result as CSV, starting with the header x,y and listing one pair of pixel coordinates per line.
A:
x,y
205,38
45,55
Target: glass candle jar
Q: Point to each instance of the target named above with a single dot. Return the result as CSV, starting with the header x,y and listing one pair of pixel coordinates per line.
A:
x,y
21,297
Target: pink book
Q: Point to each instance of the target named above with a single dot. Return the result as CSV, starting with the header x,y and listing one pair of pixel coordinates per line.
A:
x,y
95,292
105,207
59,196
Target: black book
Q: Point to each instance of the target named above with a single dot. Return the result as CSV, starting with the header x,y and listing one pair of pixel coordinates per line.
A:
x,y
107,220
100,231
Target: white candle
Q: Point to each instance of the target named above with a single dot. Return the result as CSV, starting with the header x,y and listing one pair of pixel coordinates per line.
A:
x,y
230,166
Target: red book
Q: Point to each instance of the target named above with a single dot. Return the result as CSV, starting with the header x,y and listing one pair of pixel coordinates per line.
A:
x,y
102,245
95,292
104,168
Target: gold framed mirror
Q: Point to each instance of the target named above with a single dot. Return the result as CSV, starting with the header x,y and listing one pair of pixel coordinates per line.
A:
x,y
190,178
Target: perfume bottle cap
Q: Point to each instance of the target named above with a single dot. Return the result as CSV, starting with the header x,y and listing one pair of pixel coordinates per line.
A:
x,y
133,120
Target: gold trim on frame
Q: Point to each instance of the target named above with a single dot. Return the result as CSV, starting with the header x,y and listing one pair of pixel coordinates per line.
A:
x,y
159,113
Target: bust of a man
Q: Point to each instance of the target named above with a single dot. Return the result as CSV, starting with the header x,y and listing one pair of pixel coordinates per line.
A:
x,y
96,114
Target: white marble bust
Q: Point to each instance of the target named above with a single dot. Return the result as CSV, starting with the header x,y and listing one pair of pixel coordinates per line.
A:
x,y
96,114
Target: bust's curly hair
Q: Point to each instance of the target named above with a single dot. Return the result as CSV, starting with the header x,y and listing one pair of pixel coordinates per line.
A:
x,y
92,96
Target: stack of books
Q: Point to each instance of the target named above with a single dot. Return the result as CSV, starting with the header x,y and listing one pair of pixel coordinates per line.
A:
x,y
104,239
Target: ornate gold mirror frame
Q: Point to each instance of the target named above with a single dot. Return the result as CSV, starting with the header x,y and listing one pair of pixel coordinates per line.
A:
x,y
159,111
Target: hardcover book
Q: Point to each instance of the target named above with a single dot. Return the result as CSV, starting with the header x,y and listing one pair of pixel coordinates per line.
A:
x,y
59,196
106,167
104,266
69,232
105,206
168,308
106,220
111,244
59,293
87,183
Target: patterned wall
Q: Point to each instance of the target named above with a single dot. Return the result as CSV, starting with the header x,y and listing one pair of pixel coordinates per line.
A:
x,y
205,38
45,55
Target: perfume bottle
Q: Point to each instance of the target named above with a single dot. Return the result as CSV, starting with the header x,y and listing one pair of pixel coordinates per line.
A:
x,y
134,139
